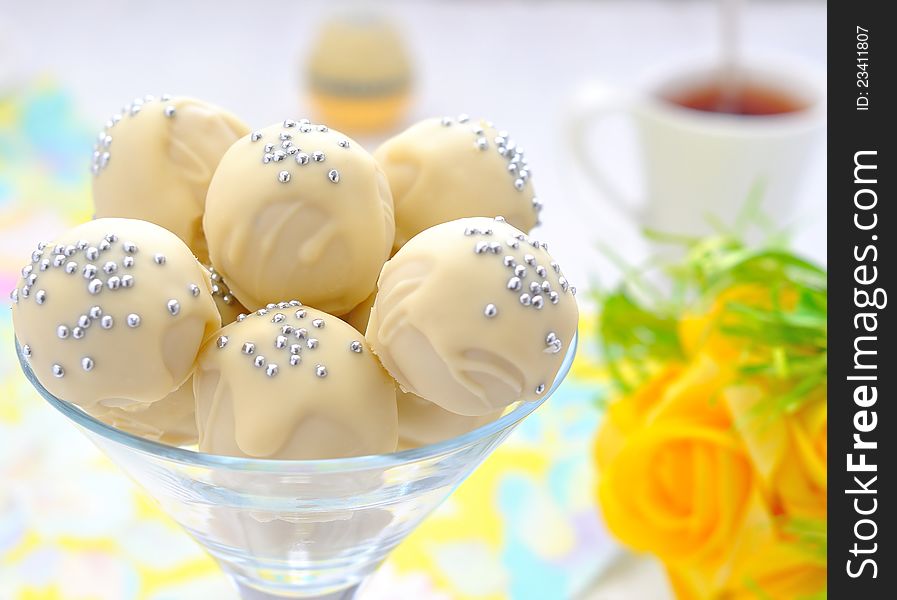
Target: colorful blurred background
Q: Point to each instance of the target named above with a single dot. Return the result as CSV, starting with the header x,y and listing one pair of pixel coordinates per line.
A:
x,y
528,524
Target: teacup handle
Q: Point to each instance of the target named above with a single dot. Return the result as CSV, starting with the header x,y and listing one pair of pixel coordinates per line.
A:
x,y
593,102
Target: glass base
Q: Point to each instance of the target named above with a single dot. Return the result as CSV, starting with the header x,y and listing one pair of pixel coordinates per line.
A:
x,y
248,592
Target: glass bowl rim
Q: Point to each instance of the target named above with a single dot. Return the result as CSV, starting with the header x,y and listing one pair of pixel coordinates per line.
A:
x,y
194,458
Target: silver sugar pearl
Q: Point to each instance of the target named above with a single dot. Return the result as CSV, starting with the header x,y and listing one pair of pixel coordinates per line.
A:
x,y
95,312
114,282
540,389
26,291
300,314
538,302
295,349
529,259
169,111
128,261
159,259
312,343
31,279
302,158
84,321
70,251
77,333
259,361
482,144
280,342
356,346
333,175
319,323
129,247
295,360
302,333
58,371
287,329
40,297
278,318
318,156
519,184
490,311
546,287
174,307
241,317
106,322
26,351
256,136
525,299
194,289
520,271
248,348
109,268
87,363
343,143
323,128
222,341
104,245
62,332
89,271
271,370
59,259
95,286
514,284
133,320
565,285
320,370
541,271
92,253
481,247
534,287
279,155
509,261
283,177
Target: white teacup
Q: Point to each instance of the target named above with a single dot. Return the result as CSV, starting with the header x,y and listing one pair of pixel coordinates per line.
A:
x,y
699,166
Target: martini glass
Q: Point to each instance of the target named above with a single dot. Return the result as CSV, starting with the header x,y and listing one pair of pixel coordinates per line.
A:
x,y
298,528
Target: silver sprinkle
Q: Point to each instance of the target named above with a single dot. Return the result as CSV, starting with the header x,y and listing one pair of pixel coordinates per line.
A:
x,y
262,312
26,351
70,250
510,261
280,342
130,247
31,279
267,158
14,296
302,158
323,128
84,321
222,341
256,136
127,281
463,118
287,329
283,176
356,346
109,268
62,332
289,123
241,317
285,136
495,247
295,349
514,284
271,371
92,253
113,283
319,323
294,303
320,370
525,299
513,243
540,389
343,143
40,297
519,184
333,175
481,247
312,343
573,289
58,260
520,271
259,361
278,318
300,314
133,320
26,291
279,155
446,121
194,289
58,371
77,333
541,271
89,271
490,311
529,259
87,363
295,360
169,111
227,299
538,302
546,287
35,256
95,312
104,245
283,305
26,270
499,219
565,285
534,287
106,322
269,147
174,307
482,144
301,333
95,286
318,156
248,348
159,259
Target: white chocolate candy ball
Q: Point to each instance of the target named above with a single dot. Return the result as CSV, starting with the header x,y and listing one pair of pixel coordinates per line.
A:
x,y
171,420
293,382
297,210
113,313
154,160
445,169
422,422
473,315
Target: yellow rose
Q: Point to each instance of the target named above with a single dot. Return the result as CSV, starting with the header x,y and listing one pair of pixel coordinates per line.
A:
x,y
674,478
776,568
789,452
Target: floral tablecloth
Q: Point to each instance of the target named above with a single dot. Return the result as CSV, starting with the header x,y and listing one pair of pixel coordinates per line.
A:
x,y
524,526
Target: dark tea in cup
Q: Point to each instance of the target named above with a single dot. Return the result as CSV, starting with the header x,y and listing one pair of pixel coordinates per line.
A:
x,y
744,98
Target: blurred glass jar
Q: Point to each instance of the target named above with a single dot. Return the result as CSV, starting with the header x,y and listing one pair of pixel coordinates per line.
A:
x,y
358,75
